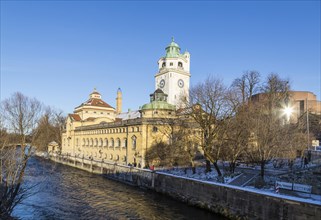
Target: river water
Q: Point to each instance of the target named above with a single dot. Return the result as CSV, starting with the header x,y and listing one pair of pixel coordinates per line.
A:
x,y
63,192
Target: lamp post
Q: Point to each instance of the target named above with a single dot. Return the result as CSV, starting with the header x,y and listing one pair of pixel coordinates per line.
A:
x,y
288,112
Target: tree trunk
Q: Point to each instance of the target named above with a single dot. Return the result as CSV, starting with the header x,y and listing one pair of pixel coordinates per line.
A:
x,y
232,167
193,167
208,166
217,169
262,168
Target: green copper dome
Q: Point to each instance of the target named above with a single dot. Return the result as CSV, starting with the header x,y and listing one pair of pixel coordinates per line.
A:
x,y
158,100
173,50
173,44
158,105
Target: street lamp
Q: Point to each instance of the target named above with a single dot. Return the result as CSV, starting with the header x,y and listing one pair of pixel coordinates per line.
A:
x,y
287,111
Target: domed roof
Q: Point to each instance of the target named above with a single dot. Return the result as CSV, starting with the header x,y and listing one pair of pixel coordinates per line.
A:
x,y
173,50
173,44
158,91
158,100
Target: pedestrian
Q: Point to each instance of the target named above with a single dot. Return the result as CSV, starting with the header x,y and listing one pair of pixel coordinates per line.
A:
x,y
305,162
309,156
152,167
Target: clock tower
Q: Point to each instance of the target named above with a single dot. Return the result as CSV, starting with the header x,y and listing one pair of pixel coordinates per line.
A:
x,y
173,75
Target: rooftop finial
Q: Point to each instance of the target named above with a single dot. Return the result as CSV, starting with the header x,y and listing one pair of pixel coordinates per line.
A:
x,y
95,89
172,39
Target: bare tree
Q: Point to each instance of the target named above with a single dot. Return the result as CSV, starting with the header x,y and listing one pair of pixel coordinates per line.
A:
x,y
246,85
59,121
174,143
209,108
276,92
237,136
269,133
20,115
48,129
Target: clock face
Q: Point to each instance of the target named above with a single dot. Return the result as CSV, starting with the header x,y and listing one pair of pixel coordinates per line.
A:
x,y
162,83
180,83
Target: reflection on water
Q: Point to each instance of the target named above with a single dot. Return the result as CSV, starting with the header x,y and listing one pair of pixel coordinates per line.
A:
x,y
67,193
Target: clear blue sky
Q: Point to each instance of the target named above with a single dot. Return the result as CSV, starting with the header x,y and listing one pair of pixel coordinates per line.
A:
x,y
59,51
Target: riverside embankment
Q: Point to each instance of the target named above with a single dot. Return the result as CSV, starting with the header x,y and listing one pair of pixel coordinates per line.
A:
x,y
230,201
59,192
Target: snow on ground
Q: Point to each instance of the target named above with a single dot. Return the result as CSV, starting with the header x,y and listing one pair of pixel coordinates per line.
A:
x,y
199,174
268,189
313,199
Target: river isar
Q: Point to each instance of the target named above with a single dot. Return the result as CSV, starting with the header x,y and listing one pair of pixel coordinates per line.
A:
x,y
63,192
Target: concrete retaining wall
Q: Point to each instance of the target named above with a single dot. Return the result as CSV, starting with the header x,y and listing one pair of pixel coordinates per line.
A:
x,y
230,201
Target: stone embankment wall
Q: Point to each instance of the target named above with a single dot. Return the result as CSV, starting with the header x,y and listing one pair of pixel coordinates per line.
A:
x,y
230,201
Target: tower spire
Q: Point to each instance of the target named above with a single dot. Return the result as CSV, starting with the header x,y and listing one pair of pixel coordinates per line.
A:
x,y
119,100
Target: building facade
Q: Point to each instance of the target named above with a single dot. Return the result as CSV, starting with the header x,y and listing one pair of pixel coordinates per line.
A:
x,y
98,131
173,75
299,103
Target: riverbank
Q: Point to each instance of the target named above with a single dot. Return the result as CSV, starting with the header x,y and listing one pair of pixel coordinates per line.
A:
x,y
58,191
230,201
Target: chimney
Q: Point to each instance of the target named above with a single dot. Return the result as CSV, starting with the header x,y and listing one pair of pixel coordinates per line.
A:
x,y
119,101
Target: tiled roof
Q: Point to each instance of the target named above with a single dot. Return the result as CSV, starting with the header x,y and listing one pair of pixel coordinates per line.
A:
x,y
75,117
95,102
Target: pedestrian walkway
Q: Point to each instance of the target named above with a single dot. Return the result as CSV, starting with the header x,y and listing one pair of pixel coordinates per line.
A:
x,y
243,179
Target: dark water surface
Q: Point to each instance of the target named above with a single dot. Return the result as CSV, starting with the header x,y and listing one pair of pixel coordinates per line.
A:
x,y
63,192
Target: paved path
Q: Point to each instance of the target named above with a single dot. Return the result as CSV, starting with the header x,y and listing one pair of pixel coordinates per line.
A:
x,y
243,179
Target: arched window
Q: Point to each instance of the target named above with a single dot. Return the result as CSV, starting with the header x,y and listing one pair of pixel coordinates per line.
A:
x,y
96,142
124,143
164,64
106,142
180,64
117,142
91,142
87,142
117,157
112,142
111,156
134,140
155,129
101,142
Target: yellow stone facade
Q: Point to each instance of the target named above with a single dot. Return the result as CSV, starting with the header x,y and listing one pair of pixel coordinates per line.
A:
x,y
99,131
123,139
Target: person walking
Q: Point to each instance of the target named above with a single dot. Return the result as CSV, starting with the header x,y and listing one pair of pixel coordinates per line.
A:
x,y
305,162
